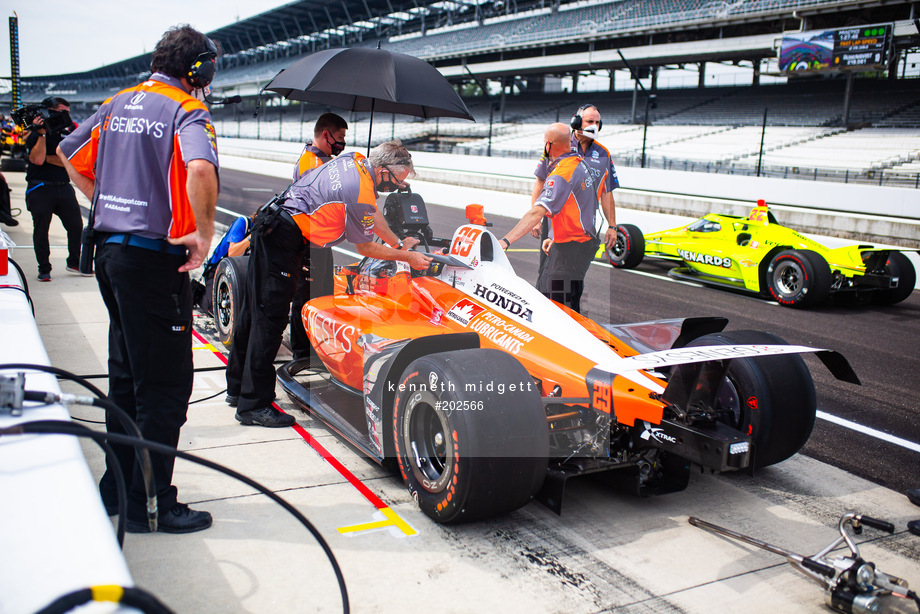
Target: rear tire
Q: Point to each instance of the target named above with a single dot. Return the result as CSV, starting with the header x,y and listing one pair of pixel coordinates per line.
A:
x,y
799,278
770,398
629,249
469,455
899,266
227,295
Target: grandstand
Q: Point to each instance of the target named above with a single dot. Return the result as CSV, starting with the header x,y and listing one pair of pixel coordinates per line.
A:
x,y
521,65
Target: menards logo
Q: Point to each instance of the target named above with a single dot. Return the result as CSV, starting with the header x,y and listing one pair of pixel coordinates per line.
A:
x,y
705,259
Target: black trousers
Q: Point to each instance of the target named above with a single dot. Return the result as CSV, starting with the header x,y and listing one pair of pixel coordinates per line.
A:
x,y
316,281
273,263
563,277
150,361
43,203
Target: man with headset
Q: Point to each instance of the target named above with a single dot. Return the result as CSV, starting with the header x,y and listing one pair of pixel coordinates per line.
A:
x,y
585,125
147,160
569,198
328,141
334,203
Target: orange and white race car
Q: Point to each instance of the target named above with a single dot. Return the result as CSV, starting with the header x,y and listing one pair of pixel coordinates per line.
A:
x,y
483,394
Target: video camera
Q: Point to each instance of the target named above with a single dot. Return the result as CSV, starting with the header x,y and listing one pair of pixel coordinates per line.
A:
x,y
53,121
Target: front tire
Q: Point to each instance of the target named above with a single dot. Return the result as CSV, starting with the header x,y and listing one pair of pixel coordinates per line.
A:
x,y
227,296
629,249
899,266
770,398
467,455
799,278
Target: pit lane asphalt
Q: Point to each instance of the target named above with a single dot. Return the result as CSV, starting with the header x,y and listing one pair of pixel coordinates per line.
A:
x,y
881,343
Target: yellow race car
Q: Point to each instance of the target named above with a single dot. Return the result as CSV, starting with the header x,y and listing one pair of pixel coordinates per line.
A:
x,y
757,254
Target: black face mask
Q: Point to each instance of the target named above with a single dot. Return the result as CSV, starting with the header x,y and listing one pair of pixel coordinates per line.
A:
x,y
336,147
388,185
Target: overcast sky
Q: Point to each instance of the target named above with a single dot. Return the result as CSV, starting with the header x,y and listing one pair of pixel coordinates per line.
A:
x,y
63,37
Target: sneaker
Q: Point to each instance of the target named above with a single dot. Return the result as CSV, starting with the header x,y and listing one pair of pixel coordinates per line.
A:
x,y
179,519
914,495
914,527
267,416
232,400
44,277
77,270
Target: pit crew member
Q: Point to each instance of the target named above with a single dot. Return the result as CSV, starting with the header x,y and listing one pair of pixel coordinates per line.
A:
x,y
585,125
148,161
331,204
569,198
328,141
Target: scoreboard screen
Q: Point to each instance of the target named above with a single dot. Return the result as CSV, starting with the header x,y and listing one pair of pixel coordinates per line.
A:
x,y
856,48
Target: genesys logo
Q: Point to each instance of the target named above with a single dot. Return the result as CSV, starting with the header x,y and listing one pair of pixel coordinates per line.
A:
x,y
464,311
705,259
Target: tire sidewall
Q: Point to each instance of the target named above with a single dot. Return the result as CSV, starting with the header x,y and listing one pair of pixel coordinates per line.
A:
x,y
810,291
230,274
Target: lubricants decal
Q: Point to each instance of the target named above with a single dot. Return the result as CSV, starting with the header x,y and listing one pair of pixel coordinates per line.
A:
x,y
502,333
705,259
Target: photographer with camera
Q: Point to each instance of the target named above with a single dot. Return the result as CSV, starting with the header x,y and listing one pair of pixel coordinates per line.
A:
x,y
48,189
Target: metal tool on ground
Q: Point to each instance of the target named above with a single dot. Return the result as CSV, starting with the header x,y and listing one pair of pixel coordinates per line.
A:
x,y
851,584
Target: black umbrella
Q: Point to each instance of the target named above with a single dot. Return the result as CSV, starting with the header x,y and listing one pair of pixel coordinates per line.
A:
x,y
365,79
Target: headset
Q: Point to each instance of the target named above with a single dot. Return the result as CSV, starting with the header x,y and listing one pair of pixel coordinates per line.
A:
x,y
575,123
203,68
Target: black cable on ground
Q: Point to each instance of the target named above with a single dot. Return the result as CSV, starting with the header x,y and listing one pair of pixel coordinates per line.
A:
x,y
197,370
68,428
100,400
25,284
132,597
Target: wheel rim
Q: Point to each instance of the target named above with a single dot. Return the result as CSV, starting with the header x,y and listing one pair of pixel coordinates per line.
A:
x,y
728,402
618,252
224,305
426,437
788,278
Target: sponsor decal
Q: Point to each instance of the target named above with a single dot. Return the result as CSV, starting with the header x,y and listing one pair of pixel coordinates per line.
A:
x,y
326,330
414,208
747,263
368,220
699,354
503,290
656,433
595,154
501,332
464,311
436,317
136,125
135,102
705,259
505,303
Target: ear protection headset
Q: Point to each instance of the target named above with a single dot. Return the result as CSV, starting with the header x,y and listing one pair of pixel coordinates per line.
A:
x,y
575,123
202,70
